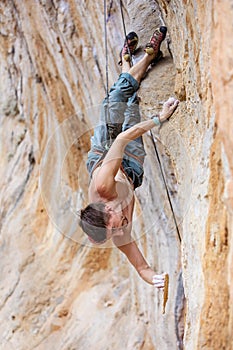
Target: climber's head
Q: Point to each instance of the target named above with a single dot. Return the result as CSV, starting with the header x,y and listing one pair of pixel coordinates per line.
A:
x,y
100,222
94,222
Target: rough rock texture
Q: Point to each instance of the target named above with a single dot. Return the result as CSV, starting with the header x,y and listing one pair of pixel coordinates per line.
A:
x,y
58,292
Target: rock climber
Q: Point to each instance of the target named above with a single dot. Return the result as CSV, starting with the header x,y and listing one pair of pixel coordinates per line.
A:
x,y
115,161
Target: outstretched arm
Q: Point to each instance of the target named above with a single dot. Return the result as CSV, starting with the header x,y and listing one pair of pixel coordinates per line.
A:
x,y
105,180
136,258
139,129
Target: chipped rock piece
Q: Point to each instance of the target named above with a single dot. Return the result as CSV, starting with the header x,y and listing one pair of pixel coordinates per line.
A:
x,y
165,292
108,303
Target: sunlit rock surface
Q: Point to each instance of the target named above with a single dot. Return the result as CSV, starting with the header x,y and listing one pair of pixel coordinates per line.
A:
x,y
57,291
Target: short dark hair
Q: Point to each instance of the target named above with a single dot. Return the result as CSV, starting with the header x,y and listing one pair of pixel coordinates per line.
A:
x,y
94,221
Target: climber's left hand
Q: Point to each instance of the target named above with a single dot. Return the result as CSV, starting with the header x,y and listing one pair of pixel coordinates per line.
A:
x,y
158,280
169,108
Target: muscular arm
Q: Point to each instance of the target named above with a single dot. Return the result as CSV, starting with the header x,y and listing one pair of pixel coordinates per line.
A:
x,y
105,180
136,258
139,129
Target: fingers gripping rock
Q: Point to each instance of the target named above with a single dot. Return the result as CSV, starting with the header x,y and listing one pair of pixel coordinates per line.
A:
x,y
168,108
158,280
162,282
170,101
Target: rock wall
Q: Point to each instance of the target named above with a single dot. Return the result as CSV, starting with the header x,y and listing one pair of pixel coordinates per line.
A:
x,y
58,291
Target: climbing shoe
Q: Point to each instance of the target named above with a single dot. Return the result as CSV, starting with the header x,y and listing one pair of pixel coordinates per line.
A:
x,y
153,47
129,47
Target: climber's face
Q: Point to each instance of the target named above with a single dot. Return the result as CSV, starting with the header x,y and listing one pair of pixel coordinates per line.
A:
x,y
117,223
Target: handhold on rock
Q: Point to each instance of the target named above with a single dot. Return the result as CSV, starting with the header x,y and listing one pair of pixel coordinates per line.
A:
x,y
165,292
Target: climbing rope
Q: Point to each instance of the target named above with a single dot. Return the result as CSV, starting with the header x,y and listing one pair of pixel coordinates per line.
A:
x,y
110,126
107,117
166,186
106,47
124,28
106,18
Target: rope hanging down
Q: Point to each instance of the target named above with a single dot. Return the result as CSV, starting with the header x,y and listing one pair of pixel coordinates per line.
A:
x,y
123,22
110,127
106,16
166,186
106,46
107,116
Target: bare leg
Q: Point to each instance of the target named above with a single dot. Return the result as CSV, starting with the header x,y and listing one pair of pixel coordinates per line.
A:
x,y
152,49
140,68
125,66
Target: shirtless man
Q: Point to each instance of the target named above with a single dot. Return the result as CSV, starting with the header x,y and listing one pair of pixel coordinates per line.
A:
x,y
116,168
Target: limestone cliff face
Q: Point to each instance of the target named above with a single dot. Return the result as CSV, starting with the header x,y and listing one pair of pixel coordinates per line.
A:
x,y
57,291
